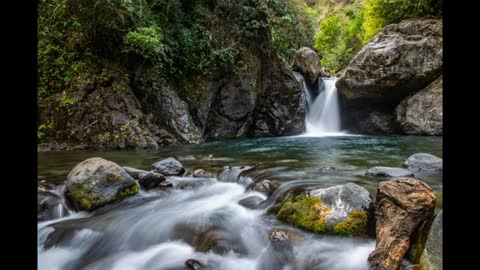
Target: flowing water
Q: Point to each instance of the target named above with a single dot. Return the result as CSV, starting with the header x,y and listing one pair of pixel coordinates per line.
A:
x,y
323,116
163,229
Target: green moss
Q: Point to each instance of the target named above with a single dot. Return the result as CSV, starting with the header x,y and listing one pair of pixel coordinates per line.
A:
x,y
355,224
83,198
305,212
129,191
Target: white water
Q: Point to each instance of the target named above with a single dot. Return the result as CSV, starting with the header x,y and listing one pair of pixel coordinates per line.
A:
x,y
323,117
139,233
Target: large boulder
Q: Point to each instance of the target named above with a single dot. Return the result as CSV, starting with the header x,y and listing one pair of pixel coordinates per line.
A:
x,y
339,209
307,62
400,206
400,60
422,113
424,163
96,182
281,102
426,246
380,171
168,166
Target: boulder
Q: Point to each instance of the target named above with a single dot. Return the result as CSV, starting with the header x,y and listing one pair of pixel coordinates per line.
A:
x,y
426,247
380,171
96,182
281,102
168,166
400,206
146,179
424,163
339,209
399,61
307,62
422,113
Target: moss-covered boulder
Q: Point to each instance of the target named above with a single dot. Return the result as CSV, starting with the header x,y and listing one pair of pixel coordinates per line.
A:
x,y
96,182
339,210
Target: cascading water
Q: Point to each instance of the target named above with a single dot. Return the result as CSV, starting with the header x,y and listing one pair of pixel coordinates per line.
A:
x,y
323,114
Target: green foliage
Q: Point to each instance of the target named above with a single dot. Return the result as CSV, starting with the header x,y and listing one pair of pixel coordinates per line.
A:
x,y
305,212
145,41
379,13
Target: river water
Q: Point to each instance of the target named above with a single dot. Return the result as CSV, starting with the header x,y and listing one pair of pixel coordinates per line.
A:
x,y
161,229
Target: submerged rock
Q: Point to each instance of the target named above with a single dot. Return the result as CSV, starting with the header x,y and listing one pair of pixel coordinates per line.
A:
x,y
279,252
339,209
96,182
424,163
49,205
422,113
195,264
401,205
168,166
264,186
250,202
380,171
307,62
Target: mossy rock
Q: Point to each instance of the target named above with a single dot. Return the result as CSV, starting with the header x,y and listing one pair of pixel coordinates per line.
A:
x,y
96,182
305,212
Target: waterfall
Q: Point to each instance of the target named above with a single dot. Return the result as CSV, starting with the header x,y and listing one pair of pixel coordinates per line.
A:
x,y
323,114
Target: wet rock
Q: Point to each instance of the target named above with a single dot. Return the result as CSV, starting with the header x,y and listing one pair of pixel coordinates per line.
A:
x,y
424,163
339,209
48,202
96,182
307,62
264,186
380,171
426,246
279,252
202,174
146,179
250,202
327,169
205,237
195,265
422,113
165,184
401,205
232,174
168,166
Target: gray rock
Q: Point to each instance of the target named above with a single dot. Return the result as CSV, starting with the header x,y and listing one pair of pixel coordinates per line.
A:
x,y
96,182
307,62
431,258
146,179
424,163
168,166
47,203
342,199
250,202
380,171
264,186
422,113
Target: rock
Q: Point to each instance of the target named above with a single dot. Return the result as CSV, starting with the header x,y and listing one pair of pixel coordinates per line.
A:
x,y
400,60
426,246
205,237
264,186
250,202
96,182
165,184
424,163
194,264
281,103
285,235
307,62
168,166
187,157
339,209
232,174
279,252
47,203
327,169
168,110
202,174
146,179
401,205
422,113
380,171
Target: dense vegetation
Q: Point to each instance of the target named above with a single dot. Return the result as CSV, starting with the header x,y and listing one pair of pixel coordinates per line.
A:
x,y
179,38
349,25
